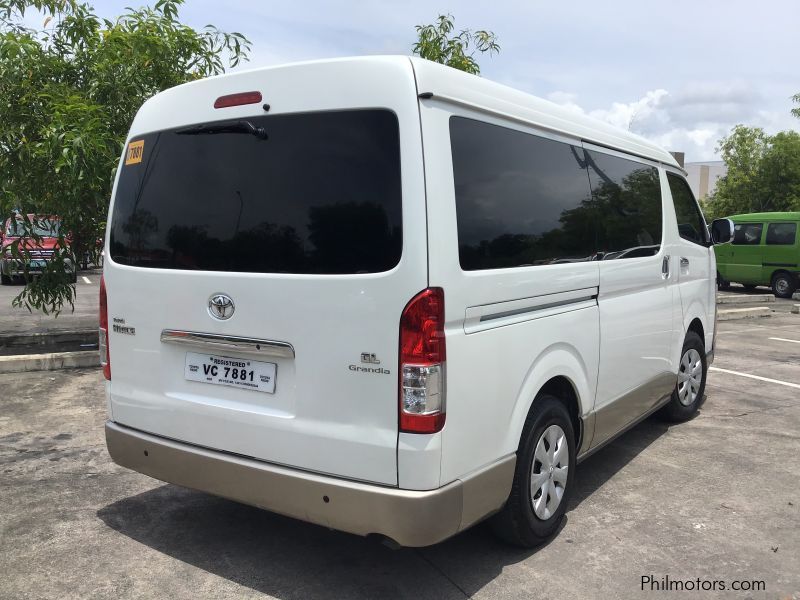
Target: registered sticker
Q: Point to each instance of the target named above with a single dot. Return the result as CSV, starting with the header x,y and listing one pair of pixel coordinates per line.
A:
x,y
135,152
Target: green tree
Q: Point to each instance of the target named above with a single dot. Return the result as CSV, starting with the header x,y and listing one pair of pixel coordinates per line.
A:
x,y
763,173
738,191
796,111
779,172
69,93
438,43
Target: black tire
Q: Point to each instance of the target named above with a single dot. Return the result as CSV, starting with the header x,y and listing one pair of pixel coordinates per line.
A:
x,y
784,285
5,280
676,411
722,283
517,523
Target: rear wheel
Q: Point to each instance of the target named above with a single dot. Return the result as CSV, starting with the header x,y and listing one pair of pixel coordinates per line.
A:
x,y
784,285
691,385
543,476
722,283
5,279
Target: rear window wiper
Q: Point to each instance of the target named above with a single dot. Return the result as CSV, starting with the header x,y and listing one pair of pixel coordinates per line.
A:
x,y
231,127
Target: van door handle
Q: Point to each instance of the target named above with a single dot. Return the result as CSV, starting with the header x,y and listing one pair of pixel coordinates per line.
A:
x,y
665,267
684,262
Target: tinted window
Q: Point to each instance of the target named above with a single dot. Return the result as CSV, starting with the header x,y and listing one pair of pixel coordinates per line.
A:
x,y
626,197
747,234
520,199
691,225
321,194
781,234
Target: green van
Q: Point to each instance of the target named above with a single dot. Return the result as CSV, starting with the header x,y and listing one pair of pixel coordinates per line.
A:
x,y
764,251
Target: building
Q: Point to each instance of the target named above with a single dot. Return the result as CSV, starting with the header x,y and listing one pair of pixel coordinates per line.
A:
x,y
703,176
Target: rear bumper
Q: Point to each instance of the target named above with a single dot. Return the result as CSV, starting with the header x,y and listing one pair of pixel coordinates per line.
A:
x,y
409,517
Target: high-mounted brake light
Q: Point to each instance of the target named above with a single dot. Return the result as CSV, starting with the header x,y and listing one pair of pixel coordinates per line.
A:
x,y
105,360
422,362
237,99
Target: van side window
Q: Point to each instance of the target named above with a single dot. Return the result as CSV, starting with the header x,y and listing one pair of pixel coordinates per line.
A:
x,y
781,234
691,225
626,197
747,234
521,199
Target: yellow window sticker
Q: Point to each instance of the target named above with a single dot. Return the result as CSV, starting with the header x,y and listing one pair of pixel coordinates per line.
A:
x,y
135,152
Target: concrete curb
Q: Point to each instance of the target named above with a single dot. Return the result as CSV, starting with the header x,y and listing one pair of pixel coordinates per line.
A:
x,y
22,363
55,341
733,314
742,299
796,309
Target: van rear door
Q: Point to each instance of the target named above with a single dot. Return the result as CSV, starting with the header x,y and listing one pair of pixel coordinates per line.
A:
x,y
258,264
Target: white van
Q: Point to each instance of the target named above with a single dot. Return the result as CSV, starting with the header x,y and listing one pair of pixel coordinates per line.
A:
x,y
391,298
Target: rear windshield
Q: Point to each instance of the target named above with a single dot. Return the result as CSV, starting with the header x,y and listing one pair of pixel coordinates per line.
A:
x,y
313,193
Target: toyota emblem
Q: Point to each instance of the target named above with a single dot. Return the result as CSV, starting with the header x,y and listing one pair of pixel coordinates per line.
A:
x,y
221,307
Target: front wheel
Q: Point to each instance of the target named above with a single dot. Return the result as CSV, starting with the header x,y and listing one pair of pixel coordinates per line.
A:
x,y
5,279
722,283
543,477
784,285
691,384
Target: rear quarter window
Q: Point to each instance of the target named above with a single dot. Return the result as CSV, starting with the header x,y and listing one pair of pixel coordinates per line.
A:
x,y
526,200
317,193
521,199
781,234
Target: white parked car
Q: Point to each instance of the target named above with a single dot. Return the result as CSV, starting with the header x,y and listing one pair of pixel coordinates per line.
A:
x,y
391,298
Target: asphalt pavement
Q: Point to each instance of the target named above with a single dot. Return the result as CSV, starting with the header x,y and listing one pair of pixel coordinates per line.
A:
x,y
716,499
84,316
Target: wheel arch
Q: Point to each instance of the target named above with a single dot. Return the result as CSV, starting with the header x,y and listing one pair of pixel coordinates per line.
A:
x,y
696,320
561,372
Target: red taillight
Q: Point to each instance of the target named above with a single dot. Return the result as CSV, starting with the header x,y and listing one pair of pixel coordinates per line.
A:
x,y
105,360
237,99
422,361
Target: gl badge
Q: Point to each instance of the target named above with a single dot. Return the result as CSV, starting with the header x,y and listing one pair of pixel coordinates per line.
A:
x,y
221,307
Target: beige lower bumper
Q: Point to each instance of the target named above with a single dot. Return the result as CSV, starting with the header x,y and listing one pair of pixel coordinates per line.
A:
x,y
409,517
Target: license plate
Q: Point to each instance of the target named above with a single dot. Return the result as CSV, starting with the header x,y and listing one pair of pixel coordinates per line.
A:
x,y
37,264
234,372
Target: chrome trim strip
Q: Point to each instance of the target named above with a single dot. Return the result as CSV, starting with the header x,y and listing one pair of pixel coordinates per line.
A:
x,y
527,309
507,312
217,341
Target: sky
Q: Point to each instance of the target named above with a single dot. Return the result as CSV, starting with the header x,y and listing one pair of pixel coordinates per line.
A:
x,y
681,73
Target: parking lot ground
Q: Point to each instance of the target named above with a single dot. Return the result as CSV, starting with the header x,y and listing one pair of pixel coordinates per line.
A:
x,y
717,498
20,320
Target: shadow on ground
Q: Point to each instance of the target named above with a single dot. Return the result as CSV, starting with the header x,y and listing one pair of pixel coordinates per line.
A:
x,y
286,558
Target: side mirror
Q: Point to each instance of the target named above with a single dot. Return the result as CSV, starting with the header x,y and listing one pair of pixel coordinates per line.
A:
x,y
721,231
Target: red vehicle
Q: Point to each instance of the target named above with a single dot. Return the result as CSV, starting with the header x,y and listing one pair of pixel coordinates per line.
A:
x,y
41,251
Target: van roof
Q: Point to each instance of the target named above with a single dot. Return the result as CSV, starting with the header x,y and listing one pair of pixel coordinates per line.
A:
x,y
767,216
451,85
456,86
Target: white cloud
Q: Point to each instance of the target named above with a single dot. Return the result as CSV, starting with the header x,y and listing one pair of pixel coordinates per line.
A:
x,y
690,121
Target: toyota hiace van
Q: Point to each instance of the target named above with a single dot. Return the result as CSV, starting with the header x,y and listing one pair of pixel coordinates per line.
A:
x,y
394,299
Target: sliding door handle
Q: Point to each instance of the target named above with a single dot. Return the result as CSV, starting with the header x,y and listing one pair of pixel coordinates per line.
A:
x,y
684,262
